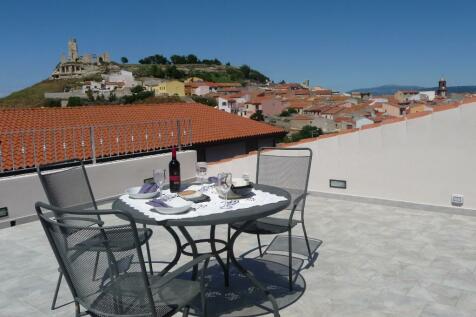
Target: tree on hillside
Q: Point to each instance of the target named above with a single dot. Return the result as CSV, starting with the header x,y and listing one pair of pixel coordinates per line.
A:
x,y
257,116
245,69
156,71
178,59
137,89
124,60
288,112
74,101
155,59
209,101
174,72
192,59
211,61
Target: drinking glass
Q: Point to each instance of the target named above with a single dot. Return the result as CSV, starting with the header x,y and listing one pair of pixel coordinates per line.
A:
x,y
224,186
159,178
201,169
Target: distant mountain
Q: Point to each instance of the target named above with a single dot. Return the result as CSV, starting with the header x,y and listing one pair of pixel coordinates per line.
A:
x,y
388,89
391,89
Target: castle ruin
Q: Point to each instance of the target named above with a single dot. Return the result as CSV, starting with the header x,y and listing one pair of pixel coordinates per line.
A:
x,y
73,65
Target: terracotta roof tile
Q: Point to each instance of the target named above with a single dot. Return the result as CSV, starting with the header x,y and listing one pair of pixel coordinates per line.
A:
x,y
208,125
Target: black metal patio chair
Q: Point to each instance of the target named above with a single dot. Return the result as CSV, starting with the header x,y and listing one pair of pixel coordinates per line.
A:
x,y
70,188
123,288
287,168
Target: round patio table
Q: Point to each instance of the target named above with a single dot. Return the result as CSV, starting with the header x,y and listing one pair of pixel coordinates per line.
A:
x,y
246,215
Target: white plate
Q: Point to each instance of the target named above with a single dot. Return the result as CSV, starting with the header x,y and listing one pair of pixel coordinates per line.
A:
x,y
133,192
174,210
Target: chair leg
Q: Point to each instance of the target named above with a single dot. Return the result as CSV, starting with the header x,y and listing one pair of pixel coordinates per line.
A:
x,y
259,245
96,262
55,296
147,248
228,254
290,264
307,241
204,304
185,311
77,309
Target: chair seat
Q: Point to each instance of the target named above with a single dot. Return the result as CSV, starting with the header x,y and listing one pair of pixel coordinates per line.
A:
x,y
115,240
127,293
267,225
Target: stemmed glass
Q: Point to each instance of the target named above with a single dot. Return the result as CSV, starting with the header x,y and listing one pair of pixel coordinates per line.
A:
x,y
201,169
159,178
224,185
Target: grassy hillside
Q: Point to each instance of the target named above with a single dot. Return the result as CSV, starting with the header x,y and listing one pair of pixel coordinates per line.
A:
x,y
33,96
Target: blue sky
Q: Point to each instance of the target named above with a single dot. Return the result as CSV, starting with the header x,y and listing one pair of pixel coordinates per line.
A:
x,y
338,44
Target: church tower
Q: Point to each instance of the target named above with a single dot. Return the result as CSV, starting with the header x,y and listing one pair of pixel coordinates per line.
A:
x,y
442,90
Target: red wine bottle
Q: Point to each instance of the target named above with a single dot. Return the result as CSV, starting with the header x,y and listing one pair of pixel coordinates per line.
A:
x,y
174,172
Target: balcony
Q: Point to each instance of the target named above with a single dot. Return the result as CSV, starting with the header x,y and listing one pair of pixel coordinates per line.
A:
x,y
393,242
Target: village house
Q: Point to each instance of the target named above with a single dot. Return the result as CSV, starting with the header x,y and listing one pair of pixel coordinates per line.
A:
x,y
228,104
405,95
170,88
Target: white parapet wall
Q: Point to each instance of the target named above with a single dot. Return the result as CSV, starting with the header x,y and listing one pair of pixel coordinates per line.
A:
x,y
109,179
423,160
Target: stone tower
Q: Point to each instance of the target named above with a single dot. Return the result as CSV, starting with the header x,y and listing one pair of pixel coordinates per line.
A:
x,y
442,89
73,50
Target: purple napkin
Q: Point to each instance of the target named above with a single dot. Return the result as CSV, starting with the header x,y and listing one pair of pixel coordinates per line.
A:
x,y
157,203
148,188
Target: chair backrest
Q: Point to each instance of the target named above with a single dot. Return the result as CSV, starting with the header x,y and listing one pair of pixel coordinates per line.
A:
x,y
100,264
287,168
68,187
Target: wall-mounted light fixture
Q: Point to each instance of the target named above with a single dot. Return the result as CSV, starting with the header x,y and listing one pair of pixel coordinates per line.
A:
x,y
337,183
3,212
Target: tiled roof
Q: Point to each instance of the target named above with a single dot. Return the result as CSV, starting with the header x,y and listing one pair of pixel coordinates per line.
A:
x,y
208,125
333,110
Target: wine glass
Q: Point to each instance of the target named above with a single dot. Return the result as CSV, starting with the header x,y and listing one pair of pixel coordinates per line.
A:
x,y
201,169
159,178
224,186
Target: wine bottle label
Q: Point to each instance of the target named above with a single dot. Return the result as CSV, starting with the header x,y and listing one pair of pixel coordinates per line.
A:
x,y
174,178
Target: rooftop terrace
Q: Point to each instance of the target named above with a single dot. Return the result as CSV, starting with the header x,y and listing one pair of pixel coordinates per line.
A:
x,y
375,260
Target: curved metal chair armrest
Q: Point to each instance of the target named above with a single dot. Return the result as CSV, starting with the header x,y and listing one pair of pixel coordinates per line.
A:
x,y
93,221
295,204
172,275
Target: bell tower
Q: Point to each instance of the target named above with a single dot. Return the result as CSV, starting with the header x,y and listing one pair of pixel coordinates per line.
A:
x,y
442,89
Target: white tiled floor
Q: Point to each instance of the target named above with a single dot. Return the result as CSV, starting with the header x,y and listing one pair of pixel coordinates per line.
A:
x,y
375,261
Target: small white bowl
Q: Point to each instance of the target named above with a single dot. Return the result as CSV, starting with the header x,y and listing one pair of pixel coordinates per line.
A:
x,y
133,192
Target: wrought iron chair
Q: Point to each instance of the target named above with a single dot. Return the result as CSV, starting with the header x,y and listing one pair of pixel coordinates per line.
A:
x,y
123,288
287,168
70,188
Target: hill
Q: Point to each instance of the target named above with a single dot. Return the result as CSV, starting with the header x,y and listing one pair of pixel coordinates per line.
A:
x,y
391,89
33,96
387,89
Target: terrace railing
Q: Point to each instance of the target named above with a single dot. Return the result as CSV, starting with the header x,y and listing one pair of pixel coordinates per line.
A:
x,y
23,150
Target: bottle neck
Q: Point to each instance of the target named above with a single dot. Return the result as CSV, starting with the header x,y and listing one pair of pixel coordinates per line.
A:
x,y
174,153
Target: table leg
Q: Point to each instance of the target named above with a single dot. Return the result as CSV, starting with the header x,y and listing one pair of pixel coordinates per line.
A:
x,y
217,256
177,255
193,246
246,272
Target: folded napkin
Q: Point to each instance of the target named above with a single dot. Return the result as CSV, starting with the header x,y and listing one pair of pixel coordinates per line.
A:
x,y
148,188
157,203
